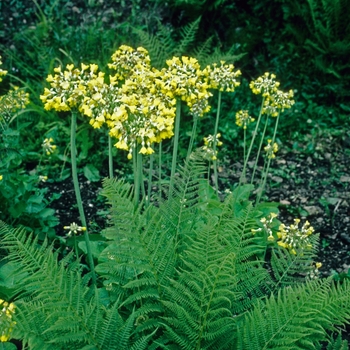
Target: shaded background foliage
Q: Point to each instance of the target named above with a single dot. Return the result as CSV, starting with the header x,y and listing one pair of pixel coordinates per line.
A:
x,y
305,43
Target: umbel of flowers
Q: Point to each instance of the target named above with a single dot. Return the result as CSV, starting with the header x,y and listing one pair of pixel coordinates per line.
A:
x,y
138,104
293,237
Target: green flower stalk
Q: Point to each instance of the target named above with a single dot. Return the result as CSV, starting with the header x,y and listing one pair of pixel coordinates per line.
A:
x,y
78,195
175,146
222,78
67,93
274,101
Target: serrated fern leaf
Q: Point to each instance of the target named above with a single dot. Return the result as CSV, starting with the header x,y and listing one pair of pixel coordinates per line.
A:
x,y
288,268
296,318
188,35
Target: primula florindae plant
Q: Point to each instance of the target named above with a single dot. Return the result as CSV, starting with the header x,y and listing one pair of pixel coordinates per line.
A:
x,y
185,270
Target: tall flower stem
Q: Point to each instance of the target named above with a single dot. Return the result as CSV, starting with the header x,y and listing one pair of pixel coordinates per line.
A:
x,y
78,195
215,143
176,145
243,176
110,157
149,187
264,178
160,171
138,176
259,150
193,135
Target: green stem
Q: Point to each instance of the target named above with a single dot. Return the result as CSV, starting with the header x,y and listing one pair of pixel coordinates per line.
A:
x,y
259,150
78,195
176,145
160,171
193,135
140,174
136,178
215,143
243,176
110,157
150,179
268,164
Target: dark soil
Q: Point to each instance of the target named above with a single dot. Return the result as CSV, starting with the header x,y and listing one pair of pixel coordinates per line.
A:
x,y
313,187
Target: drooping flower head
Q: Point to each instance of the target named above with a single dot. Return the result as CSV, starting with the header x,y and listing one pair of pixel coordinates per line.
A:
x,y
275,101
294,238
48,146
126,60
15,100
208,148
68,88
243,119
144,116
271,149
222,77
185,80
267,226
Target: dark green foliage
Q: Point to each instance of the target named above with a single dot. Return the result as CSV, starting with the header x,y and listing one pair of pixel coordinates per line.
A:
x,y
165,44
183,275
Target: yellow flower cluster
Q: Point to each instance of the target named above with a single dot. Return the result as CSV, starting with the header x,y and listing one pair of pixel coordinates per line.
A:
x,y
275,100
185,80
271,149
126,60
222,77
6,312
267,224
314,272
13,101
2,72
208,147
243,119
293,238
143,113
48,147
138,105
69,88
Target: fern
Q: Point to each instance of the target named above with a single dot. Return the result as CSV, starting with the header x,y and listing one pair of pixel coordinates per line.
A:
x,y
188,274
296,318
57,309
289,269
198,303
164,44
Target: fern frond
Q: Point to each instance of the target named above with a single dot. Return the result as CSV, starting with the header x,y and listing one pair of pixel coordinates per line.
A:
x,y
338,344
297,318
288,269
180,209
159,46
188,35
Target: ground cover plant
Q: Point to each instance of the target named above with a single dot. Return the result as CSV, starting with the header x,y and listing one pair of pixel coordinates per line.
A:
x,y
140,264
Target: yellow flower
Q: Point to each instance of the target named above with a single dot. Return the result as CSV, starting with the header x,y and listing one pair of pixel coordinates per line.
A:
x,y
2,72
6,312
1,177
292,237
271,149
243,118
222,77
48,147
208,148
74,228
